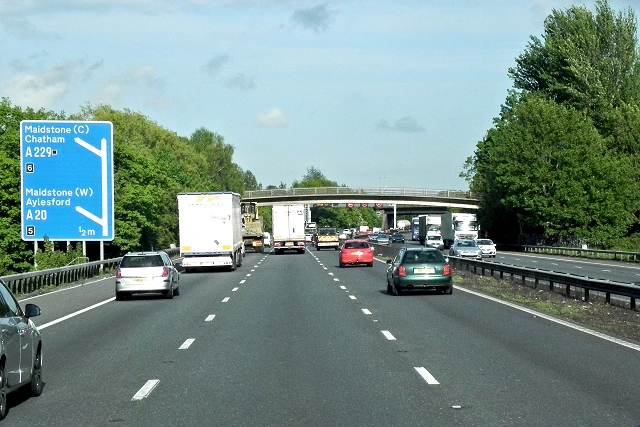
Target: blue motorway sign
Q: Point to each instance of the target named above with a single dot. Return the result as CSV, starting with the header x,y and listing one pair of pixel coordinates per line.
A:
x,y
67,180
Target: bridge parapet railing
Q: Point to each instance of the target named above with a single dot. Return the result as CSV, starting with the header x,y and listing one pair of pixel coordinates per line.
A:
x,y
385,191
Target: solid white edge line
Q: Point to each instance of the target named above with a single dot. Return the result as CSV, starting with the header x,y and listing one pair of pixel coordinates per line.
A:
x,y
185,345
389,336
69,316
67,288
555,320
210,318
146,389
426,375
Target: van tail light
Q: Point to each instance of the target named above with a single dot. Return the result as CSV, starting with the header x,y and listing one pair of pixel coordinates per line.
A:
x,y
447,270
402,271
165,272
118,273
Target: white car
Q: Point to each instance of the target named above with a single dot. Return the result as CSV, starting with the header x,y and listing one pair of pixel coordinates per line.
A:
x,y
487,246
266,239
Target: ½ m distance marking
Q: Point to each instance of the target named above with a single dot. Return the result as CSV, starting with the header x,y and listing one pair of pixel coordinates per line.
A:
x,y
85,233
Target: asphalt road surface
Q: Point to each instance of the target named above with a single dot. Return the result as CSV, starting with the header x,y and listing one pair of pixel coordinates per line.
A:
x,y
294,340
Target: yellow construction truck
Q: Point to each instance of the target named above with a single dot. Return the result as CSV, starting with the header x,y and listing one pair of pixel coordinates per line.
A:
x,y
252,227
327,237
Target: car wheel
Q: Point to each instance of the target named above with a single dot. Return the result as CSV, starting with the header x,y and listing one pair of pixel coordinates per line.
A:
x,y
341,264
36,375
370,264
396,292
389,288
3,393
177,291
449,290
120,296
169,294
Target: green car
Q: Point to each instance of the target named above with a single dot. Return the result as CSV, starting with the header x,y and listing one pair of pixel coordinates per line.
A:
x,y
419,268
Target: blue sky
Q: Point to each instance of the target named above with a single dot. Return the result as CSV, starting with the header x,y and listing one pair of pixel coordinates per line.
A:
x,y
371,93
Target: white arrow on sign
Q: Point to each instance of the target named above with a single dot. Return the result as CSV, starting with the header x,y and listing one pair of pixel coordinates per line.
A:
x,y
102,153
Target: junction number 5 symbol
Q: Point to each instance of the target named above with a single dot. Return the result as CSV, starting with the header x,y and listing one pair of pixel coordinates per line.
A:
x,y
102,153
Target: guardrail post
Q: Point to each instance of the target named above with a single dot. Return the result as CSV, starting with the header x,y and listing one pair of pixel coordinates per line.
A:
x,y
632,303
568,290
586,294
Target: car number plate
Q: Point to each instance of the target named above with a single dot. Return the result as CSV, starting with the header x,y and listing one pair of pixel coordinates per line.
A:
x,y
289,244
427,270
357,253
140,279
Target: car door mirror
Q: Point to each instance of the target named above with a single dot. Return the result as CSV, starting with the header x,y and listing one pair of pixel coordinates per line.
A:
x,y
31,310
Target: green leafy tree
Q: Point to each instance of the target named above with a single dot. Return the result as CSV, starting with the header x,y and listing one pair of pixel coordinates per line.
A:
x,y
50,258
563,156
547,168
223,173
586,60
314,178
16,255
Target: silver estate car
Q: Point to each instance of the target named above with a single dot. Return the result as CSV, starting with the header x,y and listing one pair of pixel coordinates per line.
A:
x,y
465,248
146,272
20,348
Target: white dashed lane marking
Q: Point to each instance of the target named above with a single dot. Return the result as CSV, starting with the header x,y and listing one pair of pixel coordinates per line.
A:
x,y
389,336
146,389
185,345
427,376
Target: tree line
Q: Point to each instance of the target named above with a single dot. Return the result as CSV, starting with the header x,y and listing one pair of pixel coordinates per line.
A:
x,y
561,162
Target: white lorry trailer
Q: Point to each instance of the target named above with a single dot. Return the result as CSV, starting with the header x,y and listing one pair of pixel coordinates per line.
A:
x,y
210,230
458,226
288,228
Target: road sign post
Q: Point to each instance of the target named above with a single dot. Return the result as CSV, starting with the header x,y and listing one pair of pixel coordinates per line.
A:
x,y
67,180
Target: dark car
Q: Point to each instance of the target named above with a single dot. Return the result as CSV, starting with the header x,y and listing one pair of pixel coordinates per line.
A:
x,y
419,268
397,238
20,348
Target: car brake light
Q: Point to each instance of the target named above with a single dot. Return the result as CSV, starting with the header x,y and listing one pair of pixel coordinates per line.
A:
x,y
118,274
402,271
447,270
165,272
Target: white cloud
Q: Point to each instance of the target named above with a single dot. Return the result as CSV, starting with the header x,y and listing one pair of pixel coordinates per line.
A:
x,y
275,117
43,89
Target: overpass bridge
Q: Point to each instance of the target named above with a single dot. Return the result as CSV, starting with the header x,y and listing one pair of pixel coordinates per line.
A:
x,y
393,200
365,195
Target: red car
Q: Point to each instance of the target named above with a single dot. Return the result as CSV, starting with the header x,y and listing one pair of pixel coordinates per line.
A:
x,y
356,251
